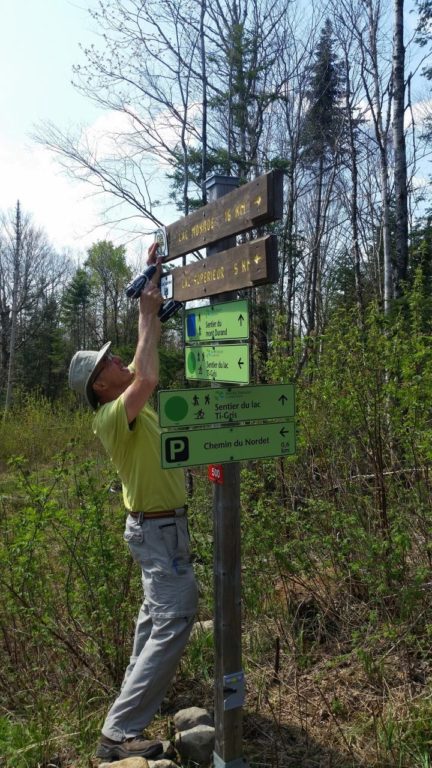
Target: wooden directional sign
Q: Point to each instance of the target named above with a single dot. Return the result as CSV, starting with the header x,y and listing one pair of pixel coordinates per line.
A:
x,y
244,208
250,264
223,363
228,321
222,444
195,407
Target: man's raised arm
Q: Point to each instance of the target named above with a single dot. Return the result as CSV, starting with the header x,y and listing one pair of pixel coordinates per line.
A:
x,y
146,359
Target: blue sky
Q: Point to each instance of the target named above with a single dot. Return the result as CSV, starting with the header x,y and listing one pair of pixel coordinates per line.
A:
x,y
39,44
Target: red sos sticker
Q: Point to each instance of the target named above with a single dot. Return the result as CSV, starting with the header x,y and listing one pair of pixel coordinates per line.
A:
x,y
215,473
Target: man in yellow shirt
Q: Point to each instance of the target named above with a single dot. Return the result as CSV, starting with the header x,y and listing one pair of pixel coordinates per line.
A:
x,y
156,526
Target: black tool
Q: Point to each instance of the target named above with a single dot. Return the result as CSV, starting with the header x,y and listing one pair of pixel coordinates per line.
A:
x,y
134,289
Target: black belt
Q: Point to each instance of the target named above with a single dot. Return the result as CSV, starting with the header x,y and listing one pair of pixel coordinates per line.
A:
x,y
141,516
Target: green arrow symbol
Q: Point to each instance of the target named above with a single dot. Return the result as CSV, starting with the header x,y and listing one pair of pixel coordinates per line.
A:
x,y
283,399
240,362
241,319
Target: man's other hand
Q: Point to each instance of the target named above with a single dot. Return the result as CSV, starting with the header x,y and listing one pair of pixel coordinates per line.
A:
x,y
150,298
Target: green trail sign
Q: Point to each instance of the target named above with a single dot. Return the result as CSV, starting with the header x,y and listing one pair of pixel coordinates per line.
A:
x,y
224,363
225,444
225,405
218,322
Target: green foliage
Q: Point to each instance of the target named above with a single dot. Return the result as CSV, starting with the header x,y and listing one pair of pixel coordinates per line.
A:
x,y
69,593
44,429
76,303
362,416
421,261
336,554
70,604
42,362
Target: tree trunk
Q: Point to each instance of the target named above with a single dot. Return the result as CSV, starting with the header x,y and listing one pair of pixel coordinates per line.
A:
x,y
14,309
400,168
381,133
354,189
315,256
204,160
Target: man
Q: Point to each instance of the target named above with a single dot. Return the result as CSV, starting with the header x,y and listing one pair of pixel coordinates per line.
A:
x,y
156,525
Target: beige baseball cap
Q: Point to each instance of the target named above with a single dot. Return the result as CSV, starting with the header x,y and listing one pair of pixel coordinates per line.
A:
x,y
85,366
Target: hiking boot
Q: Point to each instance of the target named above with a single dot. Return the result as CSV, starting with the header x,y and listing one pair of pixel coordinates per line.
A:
x,y
108,749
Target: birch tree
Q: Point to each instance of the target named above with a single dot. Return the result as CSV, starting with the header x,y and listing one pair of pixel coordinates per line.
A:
x,y
29,271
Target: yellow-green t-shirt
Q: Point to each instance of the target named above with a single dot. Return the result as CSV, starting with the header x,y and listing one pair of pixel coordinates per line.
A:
x,y
135,453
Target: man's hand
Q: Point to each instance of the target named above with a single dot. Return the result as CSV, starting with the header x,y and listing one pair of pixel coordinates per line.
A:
x,y
150,299
152,255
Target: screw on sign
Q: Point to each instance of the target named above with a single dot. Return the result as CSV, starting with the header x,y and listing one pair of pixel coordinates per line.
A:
x,y
215,473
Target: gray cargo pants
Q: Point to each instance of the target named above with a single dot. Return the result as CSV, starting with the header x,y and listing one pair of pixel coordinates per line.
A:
x,y
161,548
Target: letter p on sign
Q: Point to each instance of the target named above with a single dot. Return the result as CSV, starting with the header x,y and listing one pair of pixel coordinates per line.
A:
x,y
176,449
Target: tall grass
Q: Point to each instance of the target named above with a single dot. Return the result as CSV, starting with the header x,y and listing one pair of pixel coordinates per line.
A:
x,y
336,561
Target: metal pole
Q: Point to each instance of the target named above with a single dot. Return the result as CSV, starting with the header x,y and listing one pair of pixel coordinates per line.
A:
x,y
229,681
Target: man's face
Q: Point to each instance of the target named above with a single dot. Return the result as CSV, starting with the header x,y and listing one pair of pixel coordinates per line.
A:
x,y
113,377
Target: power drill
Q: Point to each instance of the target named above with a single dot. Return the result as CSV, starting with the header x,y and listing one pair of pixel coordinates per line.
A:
x,y
133,290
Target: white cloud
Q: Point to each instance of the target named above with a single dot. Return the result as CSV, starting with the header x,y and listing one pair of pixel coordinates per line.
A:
x,y
70,211
419,182
62,207
118,134
420,111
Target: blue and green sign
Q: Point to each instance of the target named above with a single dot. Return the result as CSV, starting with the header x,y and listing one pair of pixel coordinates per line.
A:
x,y
228,321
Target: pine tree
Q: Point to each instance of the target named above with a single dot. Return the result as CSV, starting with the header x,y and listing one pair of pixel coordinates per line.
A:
x,y
48,348
324,119
76,305
322,142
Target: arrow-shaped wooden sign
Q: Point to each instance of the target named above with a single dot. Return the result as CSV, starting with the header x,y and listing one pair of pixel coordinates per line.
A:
x,y
250,264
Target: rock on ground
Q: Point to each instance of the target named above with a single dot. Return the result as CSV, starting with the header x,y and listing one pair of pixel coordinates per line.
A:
x,y
188,718
196,743
168,751
160,764
128,762
202,626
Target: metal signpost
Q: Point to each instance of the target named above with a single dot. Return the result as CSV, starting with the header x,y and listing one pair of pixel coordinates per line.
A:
x,y
243,422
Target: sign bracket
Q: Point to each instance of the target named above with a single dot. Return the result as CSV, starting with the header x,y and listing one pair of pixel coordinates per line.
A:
x,y
239,762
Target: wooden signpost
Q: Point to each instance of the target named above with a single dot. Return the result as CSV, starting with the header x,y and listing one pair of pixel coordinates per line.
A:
x,y
244,208
227,269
